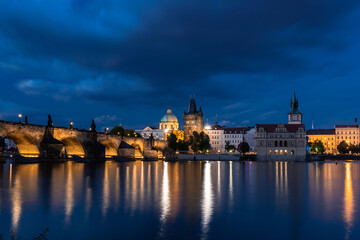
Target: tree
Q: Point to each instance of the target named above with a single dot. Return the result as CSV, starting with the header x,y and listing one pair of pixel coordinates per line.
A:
x,y
130,133
317,147
183,146
243,148
354,149
172,141
343,147
2,144
229,147
117,130
199,142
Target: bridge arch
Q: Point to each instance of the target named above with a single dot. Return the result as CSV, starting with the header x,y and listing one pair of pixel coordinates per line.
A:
x,y
27,146
110,148
73,146
138,152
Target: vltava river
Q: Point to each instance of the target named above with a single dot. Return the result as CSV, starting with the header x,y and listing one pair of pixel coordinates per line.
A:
x,y
193,200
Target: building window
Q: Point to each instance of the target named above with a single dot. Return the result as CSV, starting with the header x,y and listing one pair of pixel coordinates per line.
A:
x,y
285,143
269,152
285,152
276,152
276,143
281,152
292,152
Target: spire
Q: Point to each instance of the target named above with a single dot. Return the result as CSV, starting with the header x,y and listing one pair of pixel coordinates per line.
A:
x,y
294,104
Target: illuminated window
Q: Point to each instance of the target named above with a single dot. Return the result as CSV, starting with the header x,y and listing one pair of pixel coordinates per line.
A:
x,y
276,152
292,152
285,152
269,152
281,152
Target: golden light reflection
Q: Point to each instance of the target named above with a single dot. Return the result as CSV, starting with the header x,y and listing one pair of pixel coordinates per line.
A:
x,y
69,193
207,201
348,212
165,199
16,200
106,190
281,181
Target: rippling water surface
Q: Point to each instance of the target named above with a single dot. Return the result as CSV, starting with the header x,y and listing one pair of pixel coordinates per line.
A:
x,y
193,200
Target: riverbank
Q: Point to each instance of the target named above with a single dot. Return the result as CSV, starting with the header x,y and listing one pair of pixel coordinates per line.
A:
x,y
214,157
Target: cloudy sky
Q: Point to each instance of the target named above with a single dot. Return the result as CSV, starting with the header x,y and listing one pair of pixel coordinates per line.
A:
x,y
128,61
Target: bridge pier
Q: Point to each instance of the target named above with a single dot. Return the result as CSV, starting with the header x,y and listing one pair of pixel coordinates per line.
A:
x,y
93,149
50,147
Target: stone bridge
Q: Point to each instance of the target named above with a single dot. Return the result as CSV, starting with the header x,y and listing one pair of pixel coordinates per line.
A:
x,y
59,142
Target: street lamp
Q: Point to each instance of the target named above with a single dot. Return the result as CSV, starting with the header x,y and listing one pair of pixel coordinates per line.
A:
x,y
71,125
106,129
20,116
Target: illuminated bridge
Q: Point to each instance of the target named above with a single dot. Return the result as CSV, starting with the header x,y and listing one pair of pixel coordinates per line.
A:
x,y
60,142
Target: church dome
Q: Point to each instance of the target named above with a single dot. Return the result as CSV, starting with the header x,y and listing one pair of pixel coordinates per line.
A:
x,y
169,117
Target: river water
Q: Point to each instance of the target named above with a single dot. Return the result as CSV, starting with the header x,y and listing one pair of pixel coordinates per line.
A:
x,y
187,200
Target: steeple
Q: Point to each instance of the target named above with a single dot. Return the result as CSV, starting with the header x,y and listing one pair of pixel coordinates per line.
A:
x,y
294,116
294,104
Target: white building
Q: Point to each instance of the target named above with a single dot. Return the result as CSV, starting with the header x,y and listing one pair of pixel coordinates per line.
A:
x,y
219,135
158,134
216,136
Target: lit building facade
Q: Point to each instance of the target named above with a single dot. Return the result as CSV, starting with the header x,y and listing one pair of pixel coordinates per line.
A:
x,y
348,133
216,136
234,135
282,142
169,122
219,135
326,136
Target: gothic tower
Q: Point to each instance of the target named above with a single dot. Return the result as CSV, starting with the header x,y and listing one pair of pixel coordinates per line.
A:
x,y
294,116
193,120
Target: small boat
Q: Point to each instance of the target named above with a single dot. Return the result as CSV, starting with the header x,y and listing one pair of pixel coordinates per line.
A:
x,y
79,159
22,159
121,159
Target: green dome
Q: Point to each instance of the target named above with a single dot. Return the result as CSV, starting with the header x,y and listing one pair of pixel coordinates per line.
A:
x,y
169,117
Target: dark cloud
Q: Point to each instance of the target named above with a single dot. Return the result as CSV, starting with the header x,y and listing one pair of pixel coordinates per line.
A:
x,y
237,56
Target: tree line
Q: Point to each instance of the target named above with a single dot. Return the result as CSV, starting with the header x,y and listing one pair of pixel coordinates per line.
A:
x,y
343,147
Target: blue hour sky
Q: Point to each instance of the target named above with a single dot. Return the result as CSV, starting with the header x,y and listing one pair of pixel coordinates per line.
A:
x,y
128,61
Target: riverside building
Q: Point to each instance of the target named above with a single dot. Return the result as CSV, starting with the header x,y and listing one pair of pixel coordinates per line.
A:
x,y
326,136
219,135
348,133
282,142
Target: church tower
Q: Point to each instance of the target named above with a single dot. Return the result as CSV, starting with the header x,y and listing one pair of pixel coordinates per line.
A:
x,y
294,117
193,120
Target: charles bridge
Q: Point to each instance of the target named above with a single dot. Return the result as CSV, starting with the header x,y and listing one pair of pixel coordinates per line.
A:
x,y
51,142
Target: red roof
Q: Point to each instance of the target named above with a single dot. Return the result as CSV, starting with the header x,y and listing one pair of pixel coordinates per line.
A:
x,y
236,130
320,131
347,126
271,127
216,127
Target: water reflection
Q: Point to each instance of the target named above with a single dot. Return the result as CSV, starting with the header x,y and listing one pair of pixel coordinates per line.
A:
x,y
207,200
348,211
212,200
165,200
